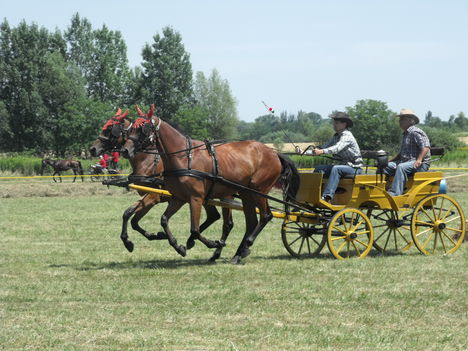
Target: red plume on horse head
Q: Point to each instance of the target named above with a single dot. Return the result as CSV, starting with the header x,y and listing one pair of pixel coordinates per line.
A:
x,y
151,111
118,113
122,116
140,112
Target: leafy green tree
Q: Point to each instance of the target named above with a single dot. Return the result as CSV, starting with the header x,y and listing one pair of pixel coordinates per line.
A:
x,y
442,138
101,56
193,121
214,96
24,55
375,126
166,79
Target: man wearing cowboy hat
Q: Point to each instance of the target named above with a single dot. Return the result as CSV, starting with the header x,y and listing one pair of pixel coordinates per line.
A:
x,y
414,153
344,147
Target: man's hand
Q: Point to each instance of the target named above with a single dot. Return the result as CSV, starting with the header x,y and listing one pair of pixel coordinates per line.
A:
x,y
417,164
318,152
298,150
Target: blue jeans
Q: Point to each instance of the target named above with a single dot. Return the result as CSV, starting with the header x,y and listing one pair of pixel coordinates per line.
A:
x,y
401,171
335,173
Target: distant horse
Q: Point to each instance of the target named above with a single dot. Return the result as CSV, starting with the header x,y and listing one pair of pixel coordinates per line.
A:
x,y
193,169
60,166
113,136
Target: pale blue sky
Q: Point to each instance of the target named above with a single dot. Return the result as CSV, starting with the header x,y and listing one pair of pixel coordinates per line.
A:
x,y
315,56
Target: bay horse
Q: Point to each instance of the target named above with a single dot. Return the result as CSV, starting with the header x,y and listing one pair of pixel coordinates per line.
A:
x,y
113,136
190,169
60,166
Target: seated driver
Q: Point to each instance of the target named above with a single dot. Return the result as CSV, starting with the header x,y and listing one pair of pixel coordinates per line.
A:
x,y
344,147
414,153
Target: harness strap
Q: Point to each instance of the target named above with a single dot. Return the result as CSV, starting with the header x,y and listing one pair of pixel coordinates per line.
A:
x,y
212,152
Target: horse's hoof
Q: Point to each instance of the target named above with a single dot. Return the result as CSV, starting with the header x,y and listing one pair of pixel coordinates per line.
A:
x,y
236,260
190,243
212,260
245,253
129,246
181,250
215,256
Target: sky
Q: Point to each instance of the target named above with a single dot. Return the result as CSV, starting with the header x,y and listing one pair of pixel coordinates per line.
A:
x,y
296,55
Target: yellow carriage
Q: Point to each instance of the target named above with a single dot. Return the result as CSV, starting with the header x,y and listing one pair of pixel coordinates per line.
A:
x,y
363,215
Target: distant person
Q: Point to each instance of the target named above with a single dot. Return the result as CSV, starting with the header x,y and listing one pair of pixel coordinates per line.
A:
x,y
115,160
342,146
102,161
414,153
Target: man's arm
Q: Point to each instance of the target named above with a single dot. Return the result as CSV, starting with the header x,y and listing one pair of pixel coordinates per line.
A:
x,y
421,155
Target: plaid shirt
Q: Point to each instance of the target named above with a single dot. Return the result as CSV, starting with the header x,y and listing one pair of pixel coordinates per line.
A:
x,y
344,147
414,140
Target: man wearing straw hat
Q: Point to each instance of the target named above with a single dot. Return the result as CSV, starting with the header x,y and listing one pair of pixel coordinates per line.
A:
x,y
414,153
344,147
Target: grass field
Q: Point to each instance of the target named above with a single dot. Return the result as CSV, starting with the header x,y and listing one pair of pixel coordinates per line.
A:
x,y
68,283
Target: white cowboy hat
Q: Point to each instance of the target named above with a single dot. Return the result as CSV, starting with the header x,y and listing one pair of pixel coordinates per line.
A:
x,y
409,113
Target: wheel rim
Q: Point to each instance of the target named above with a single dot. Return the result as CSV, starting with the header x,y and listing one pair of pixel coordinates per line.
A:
x,y
302,240
391,231
438,225
350,234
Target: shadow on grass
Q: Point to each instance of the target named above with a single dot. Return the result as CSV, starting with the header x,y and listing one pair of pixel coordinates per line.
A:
x,y
142,264
328,256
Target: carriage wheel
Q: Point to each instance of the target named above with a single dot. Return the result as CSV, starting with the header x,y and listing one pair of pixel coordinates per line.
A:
x,y
302,240
438,225
391,232
350,234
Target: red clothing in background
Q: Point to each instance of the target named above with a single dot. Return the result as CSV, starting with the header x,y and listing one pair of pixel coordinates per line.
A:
x,y
115,157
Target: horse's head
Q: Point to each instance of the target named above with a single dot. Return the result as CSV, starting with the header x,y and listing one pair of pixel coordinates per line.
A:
x,y
44,164
141,135
113,134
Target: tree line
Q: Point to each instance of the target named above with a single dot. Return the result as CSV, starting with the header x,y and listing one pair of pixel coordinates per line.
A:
x,y
58,88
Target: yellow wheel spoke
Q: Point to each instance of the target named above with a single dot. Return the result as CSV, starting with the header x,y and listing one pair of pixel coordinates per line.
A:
x,y
427,214
357,250
357,226
428,239
435,243
446,213
424,223
448,237
347,248
341,246
425,231
443,244
343,232
362,243
361,233
441,207
451,220
343,221
454,229
338,237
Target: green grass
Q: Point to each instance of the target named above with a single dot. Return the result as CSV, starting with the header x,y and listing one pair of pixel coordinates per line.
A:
x,y
68,283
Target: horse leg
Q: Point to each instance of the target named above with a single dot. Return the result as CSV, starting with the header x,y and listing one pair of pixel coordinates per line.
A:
x,y
140,210
265,217
251,223
137,207
173,206
74,173
228,224
195,212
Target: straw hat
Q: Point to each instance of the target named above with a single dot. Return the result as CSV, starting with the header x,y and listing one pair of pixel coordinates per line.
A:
x,y
409,113
344,117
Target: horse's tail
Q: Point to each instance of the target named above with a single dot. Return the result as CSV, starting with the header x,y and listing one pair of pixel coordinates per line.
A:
x,y
43,166
80,169
289,179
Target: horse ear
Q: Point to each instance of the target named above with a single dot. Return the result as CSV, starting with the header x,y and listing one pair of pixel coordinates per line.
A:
x,y
122,116
151,111
119,111
140,113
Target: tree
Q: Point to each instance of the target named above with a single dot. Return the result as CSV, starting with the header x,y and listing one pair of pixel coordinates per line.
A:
x,y
166,79
214,96
101,56
24,55
375,126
